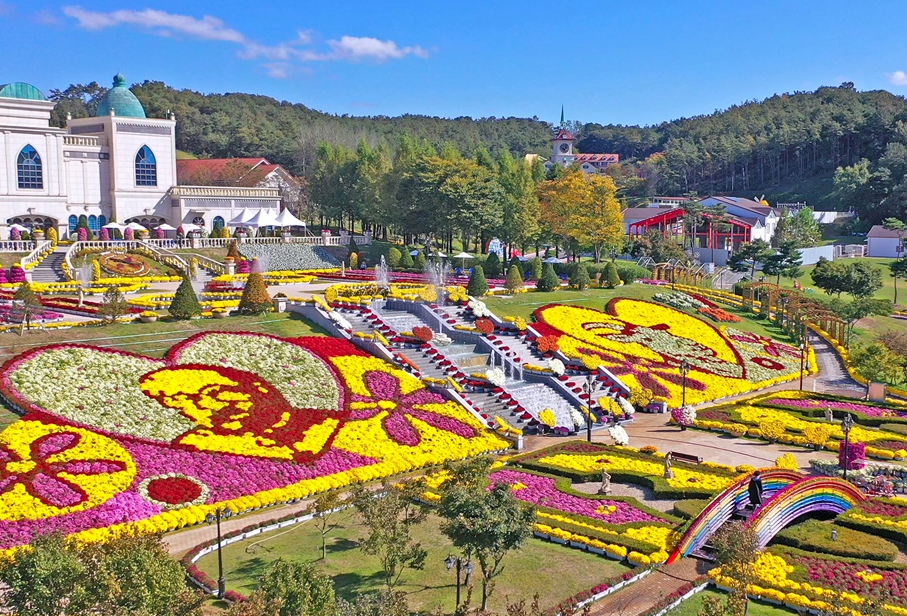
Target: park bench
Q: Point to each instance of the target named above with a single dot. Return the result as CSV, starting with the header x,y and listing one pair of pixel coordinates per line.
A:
x,y
676,456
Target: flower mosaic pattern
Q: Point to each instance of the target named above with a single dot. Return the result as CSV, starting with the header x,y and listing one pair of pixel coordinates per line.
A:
x,y
242,420
644,344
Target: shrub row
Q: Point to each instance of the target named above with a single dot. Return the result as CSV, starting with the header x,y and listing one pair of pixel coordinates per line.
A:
x,y
815,536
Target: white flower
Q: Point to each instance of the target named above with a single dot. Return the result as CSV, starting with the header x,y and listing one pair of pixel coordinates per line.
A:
x,y
557,367
479,309
578,420
619,435
625,405
341,322
441,340
496,377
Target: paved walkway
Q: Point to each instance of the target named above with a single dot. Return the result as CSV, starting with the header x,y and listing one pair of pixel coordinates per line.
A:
x,y
641,596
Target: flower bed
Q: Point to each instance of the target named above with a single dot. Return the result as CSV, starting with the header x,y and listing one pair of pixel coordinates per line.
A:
x,y
643,343
122,264
585,462
110,440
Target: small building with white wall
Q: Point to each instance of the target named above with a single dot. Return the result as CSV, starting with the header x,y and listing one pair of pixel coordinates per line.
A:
x,y
880,242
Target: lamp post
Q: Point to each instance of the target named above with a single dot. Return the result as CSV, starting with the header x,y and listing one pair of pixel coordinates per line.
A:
x,y
212,518
590,380
465,566
684,369
802,362
846,425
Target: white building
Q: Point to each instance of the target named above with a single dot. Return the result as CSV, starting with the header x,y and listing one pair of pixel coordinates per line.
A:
x,y
119,165
763,218
880,242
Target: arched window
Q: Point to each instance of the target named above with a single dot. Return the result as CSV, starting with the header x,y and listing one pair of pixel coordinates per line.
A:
x,y
31,173
93,224
145,167
73,223
199,220
102,220
218,223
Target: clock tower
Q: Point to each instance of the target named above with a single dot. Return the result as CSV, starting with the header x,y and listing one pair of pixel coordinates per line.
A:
x,y
563,147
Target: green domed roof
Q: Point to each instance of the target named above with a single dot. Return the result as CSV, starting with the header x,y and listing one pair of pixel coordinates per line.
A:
x,y
121,100
19,89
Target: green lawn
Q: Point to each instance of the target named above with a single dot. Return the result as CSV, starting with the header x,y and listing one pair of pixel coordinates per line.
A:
x,y
692,606
526,572
886,292
524,304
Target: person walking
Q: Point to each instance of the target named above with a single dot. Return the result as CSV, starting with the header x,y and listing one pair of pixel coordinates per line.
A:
x,y
755,490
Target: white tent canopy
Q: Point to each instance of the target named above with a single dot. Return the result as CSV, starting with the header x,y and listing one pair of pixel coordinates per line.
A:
x,y
166,227
135,226
262,218
188,226
286,219
241,219
114,225
18,227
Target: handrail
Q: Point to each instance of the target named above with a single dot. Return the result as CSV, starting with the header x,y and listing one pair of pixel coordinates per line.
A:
x,y
161,254
36,255
16,245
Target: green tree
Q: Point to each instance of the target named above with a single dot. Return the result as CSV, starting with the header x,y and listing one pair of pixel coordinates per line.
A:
x,y
492,265
785,262
185,302
859,308
387,603
579,277
536,266
299,589
406,259
29,303
514,280
749,255
862,280
876,362
46,580
477,286
255,298
830,276
898,269
736,550
393,257
694,214
389,518
611,277
419,262
549,280
485,524
801,228
322,510
113,305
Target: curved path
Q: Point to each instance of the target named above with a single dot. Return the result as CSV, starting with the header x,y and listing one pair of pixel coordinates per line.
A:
x,y
833,376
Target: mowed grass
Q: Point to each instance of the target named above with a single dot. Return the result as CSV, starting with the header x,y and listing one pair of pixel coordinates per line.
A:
x,y
553,571
524,304
693,606
886,292
151,339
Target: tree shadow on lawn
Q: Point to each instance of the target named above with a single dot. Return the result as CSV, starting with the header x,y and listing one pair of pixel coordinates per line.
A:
x,y
253,568
341,545
348,585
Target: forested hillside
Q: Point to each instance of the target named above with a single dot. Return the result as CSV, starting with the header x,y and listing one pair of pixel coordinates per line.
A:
x,y
836,147
757,147
228,125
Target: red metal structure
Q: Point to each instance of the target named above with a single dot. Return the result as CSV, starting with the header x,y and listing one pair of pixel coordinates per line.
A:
x,y
670,222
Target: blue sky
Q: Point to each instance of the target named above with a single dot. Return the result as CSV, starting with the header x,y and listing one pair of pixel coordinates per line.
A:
x,y
607,62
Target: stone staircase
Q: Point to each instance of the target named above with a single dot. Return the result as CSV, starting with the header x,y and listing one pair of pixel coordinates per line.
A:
x,y
50,269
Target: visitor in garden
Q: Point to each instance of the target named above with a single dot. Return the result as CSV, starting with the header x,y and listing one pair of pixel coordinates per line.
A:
x,y
755,489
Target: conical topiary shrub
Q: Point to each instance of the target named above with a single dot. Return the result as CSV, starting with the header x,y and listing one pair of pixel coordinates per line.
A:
x,y
611,278
406,259
536,267
393,257
477,286
233,251
493,265
579,277
514,279
185,302
255,298
549,280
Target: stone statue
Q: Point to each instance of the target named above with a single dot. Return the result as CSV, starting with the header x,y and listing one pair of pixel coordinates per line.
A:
x,y
81,296
829,416
606,483
669,472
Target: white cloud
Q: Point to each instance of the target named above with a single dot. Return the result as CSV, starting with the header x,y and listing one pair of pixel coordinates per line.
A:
x,y
898,78
278,57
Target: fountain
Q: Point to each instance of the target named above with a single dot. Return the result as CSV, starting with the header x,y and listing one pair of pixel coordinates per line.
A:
x,y
381,274
84,275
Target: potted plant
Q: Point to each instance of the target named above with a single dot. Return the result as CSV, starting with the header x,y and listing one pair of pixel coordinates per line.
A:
x,y
148,316
280,302
220,313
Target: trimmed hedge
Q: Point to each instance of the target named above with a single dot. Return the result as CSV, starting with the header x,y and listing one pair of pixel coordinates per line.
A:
x,y
690,508
815,536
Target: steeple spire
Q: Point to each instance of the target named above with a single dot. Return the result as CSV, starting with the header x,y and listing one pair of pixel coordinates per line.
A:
x,y
563,122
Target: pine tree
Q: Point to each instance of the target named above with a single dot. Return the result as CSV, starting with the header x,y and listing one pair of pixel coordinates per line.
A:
x,y
549,280
477,286
493,265
114,305
255,298
514,279
536,266
611,278
579,278
419,262
515,261
185,302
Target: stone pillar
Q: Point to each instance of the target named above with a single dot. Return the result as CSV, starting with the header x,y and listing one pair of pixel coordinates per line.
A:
x,y
194,242
231,267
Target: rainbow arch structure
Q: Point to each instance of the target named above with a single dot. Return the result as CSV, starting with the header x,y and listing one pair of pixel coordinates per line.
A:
x,y
805,496
723,506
